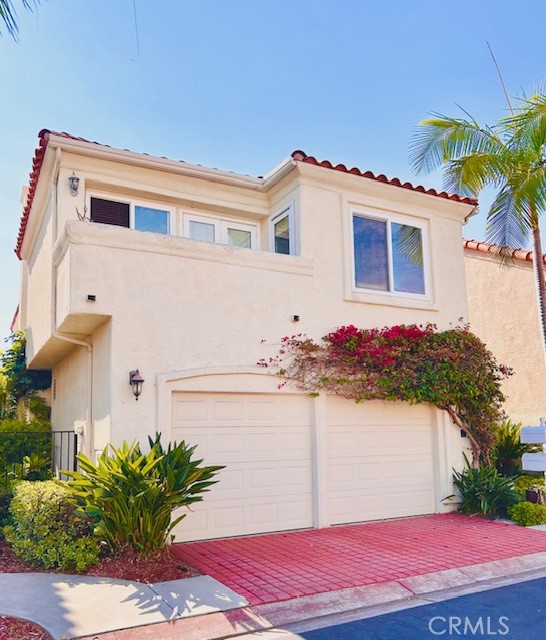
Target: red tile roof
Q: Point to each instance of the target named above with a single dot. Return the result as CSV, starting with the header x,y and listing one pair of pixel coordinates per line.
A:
x,y
301,156
298,156
517,254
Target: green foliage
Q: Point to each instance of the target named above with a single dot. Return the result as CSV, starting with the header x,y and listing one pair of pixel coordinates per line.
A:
x,y
19,439
132,495
6,495
522,483
20,383
483,490
508,448
528,514
507,156
47,530
452,370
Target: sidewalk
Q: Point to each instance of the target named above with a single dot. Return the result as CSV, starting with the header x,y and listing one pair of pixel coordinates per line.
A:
x,y
69,606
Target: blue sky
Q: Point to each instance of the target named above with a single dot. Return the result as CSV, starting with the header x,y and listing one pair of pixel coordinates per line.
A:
x,y
239,84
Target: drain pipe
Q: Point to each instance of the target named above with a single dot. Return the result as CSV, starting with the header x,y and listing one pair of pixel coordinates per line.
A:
x,y
84,432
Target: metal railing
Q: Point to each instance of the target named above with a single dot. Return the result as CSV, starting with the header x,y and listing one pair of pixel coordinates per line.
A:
x,y
32,454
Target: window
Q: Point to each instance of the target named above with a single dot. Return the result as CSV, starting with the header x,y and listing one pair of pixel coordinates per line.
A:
x,y
110,212
234,234
282,232
388,255
125,214
149,219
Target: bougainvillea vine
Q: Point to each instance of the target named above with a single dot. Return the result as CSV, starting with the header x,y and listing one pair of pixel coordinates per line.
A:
x,y
452,370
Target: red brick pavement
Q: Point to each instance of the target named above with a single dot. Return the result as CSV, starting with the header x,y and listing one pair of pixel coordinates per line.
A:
x,y
280,566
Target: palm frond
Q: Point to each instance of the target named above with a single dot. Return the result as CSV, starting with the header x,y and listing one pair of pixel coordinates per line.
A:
x,y
508,226
8,15
440,139
468,175
529,122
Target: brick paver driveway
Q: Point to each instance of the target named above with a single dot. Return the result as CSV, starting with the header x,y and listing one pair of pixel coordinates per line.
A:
x,y
280,566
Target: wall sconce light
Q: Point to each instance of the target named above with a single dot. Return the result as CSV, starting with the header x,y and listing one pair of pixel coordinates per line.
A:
x,y
136,380
74,184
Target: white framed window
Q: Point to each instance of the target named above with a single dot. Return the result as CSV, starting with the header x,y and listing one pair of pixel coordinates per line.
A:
x,y
389,254
282,231
222,231
133,214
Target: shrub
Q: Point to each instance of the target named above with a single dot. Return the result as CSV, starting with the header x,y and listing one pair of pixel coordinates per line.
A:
x,y
452,370
6,495
522,483
508,448
131,495
47,531
19,438
528,514
483,490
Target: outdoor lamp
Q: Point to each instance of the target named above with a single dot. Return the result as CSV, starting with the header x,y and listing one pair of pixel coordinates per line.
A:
x,y
136,380
73,184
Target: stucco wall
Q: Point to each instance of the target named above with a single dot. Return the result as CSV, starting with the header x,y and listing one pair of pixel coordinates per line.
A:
x,y
69,379
37,305
503,313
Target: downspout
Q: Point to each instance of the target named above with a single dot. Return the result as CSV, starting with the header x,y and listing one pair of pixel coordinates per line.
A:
x,y
85,432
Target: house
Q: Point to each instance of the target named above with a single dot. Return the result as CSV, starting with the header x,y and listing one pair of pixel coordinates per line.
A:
x,y
132,262
503,312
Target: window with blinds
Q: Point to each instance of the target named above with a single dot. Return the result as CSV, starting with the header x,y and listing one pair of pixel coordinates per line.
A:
x,y
110,212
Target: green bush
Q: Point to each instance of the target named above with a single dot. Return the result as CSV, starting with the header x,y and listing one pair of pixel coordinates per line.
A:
x,y
528,514
522,483
508,448
6,495
47,531
131,495
483,490
19,438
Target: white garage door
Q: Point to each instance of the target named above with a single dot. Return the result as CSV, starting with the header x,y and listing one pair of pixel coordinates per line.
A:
x,y
265,442
380,460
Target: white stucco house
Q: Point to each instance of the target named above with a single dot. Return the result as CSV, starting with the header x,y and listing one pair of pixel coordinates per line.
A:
x,y
182,271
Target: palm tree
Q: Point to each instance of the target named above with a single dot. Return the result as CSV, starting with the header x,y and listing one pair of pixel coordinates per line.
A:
x,y
8,15
508,156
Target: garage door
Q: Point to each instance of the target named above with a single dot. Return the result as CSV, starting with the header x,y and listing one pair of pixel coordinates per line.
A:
x,y
265,442
380,460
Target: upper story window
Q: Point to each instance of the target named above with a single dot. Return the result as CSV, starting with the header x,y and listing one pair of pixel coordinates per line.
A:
x,y
389,255
234,234
282,231
166,220
126,214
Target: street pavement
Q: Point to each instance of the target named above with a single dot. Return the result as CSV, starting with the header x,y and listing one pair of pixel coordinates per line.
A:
x,y
514,612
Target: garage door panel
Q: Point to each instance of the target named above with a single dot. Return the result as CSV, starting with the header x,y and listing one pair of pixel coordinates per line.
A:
x,y
380,461
264,441
223,445
377,412
242,481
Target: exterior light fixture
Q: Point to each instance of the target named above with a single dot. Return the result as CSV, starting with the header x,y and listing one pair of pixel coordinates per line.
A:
x,y
136,380
74,184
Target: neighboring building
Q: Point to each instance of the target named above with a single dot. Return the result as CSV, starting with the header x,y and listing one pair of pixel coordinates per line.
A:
x,y
184,271
503,312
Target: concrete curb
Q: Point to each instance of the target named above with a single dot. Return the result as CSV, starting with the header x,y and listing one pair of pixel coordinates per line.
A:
x,y
335,602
